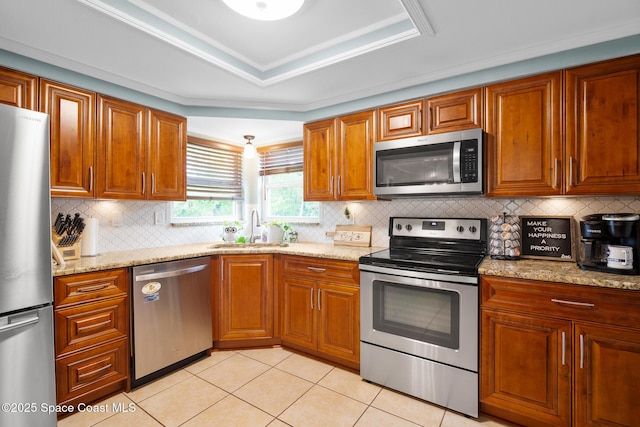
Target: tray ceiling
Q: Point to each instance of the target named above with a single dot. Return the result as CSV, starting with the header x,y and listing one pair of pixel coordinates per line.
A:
x,y
201,53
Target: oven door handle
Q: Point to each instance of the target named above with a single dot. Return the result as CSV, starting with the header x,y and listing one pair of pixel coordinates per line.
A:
x,y
439,274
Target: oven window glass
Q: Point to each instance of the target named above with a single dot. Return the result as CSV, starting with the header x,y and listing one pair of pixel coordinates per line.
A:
x,y
424,314
431,164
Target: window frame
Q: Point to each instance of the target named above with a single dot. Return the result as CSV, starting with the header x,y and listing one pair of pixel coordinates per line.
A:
x,y
237,200
282,169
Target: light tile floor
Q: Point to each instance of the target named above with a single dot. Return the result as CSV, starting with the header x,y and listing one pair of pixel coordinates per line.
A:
x,y
266,387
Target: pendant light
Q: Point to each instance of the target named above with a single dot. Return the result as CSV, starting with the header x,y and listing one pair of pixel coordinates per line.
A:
x,y
249,149
265,10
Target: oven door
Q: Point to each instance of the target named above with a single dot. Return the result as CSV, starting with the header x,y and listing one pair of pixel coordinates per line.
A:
x,y
432,319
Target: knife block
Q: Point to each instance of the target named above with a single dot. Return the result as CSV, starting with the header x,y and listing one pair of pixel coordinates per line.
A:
x,y
67,252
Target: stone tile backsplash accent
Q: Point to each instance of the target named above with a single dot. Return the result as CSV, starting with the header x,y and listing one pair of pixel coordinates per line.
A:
x,y
138,229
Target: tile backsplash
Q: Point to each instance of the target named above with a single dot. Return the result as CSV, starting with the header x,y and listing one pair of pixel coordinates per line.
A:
x,y
128,225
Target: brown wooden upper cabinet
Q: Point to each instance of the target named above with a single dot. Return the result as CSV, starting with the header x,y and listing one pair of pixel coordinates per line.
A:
x,y
454,111
602,127
338,158
141,152
18,89
72,119
400,121
167,156
523,142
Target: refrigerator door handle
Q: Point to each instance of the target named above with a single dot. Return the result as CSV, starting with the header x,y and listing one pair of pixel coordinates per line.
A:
x,y
20,324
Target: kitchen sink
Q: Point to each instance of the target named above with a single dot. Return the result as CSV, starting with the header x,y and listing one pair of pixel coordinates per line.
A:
x,y
246,245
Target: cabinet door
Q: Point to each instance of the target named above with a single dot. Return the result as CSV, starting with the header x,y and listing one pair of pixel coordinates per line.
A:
x,y
607,376
299,320
525,373
400,121
18,89
319,160
166,179
602,131
523,137
246,297
72,117
355,156
338,310
455,111
121,151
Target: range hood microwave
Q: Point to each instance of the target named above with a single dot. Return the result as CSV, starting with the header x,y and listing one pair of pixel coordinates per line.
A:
x,y
434,165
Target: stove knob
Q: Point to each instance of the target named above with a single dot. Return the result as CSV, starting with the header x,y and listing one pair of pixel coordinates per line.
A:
x,y
398,227
408,227
460,229
473,229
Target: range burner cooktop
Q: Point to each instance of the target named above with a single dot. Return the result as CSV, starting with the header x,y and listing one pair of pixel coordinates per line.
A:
x,y
452,245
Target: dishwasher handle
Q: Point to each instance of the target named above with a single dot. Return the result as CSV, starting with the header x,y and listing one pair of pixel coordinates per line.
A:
x,y
171,273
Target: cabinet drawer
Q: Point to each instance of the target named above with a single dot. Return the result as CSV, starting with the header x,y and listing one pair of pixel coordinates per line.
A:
x,y
561,300
321,269
84,325
79,288
90,371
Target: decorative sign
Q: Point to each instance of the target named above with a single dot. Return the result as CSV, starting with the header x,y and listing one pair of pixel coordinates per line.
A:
x,y
548,238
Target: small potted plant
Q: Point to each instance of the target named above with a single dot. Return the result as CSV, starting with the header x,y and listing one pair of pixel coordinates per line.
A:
x,y
347,212
275,231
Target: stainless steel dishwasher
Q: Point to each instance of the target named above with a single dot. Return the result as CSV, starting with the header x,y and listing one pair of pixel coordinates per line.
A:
x,y
170,316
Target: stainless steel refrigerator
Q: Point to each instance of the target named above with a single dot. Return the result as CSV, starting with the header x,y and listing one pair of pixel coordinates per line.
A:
x,y
27,373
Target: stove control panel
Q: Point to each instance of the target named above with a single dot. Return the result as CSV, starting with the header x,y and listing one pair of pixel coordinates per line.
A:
x,y
441,228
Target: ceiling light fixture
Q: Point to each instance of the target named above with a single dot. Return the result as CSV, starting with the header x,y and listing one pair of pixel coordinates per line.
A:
x,y
249,149
265,10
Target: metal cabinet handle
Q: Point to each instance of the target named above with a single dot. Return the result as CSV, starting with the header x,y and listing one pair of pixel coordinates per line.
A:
x,y
90,179
581,351
564,337
143,183
571,170
93,288
317,269
319,307
575,303
95,372
311,298
153,183
94,325
555,172
339,184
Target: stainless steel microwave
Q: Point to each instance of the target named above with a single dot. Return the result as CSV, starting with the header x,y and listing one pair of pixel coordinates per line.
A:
x,y
443,164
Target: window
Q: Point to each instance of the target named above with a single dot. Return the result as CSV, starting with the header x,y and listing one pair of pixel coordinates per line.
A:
x,y
282,185
214,183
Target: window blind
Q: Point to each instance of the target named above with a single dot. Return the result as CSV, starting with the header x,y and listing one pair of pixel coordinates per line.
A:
x,y
281,158
214,170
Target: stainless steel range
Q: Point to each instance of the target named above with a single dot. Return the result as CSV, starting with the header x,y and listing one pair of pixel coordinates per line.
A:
x,y
419,310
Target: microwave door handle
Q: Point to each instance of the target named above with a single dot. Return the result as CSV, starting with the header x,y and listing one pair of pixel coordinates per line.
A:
x,y
455,158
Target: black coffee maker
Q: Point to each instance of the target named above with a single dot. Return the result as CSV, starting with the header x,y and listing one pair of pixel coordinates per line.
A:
x,y
610,243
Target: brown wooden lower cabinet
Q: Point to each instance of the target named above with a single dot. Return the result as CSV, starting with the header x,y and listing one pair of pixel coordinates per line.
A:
x,y
320,305
244,301
91,335
555,354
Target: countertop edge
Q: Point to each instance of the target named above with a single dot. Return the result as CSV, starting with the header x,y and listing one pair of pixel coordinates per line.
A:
x,y
557,271
131,258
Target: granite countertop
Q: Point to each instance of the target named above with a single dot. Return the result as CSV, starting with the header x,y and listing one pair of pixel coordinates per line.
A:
x,y
557,271
532,269
134,257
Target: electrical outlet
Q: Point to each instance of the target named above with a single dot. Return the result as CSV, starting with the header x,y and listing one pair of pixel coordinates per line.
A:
x,y
116,219
158,218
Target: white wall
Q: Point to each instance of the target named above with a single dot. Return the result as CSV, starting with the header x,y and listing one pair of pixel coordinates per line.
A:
x,y
138,229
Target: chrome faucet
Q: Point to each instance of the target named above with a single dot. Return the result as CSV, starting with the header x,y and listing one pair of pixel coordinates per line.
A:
x,y
254,237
